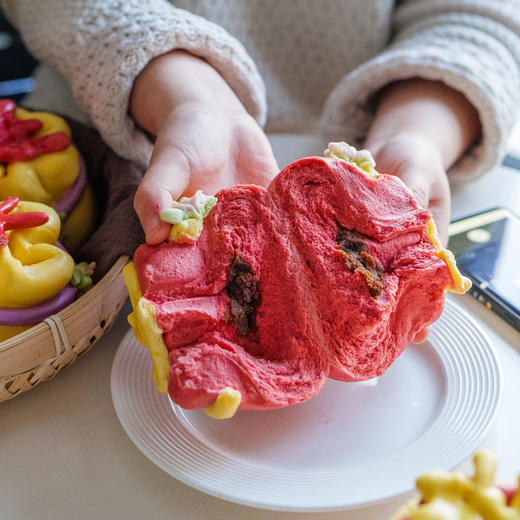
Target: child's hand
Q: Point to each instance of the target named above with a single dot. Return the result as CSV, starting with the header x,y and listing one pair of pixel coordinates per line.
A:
x,y
418,163
205,138
420,129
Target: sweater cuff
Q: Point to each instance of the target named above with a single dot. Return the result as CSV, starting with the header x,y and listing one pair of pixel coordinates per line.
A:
x,y
467,60
105,95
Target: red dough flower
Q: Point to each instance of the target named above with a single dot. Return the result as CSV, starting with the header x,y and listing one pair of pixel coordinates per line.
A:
x,y
16,136
329,272
18,220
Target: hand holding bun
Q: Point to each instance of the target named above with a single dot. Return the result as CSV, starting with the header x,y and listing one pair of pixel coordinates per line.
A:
x,y
205,138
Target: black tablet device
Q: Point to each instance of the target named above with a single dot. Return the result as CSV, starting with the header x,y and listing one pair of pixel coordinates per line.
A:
x,y
487,249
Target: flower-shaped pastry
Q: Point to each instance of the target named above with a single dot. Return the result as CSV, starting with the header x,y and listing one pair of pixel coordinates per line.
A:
x,y
34,270
329,272
39,163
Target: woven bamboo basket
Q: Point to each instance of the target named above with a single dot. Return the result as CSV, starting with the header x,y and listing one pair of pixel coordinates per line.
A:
x,y
39,353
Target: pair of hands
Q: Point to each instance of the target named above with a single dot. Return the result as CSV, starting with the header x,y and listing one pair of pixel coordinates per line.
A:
x,y
207,140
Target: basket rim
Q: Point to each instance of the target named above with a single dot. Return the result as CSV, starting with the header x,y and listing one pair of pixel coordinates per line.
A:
x,y
82,301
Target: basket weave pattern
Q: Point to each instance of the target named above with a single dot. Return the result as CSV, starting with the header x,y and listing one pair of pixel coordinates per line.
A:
x,y
39,353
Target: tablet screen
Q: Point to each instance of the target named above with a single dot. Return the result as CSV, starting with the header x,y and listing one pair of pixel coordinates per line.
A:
x,y
487,248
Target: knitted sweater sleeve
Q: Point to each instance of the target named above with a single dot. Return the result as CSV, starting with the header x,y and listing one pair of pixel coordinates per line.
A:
x,y
471,45
101,46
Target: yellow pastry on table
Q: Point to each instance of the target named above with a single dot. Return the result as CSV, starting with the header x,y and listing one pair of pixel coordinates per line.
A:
x,y
454,496
35,270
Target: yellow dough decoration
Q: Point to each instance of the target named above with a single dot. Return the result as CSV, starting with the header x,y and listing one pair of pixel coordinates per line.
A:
x,y
146,330
453,496
460,283
225,405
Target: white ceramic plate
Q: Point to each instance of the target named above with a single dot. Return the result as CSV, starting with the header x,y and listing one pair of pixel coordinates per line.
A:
x,y
353,445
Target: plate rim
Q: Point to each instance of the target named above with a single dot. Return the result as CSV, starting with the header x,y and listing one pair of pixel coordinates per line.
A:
x,y
264,502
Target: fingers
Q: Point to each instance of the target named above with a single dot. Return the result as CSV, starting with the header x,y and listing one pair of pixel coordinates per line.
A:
x,y
419,183
255,162
440,206
164,181
201,150
419,164
440,209
432,191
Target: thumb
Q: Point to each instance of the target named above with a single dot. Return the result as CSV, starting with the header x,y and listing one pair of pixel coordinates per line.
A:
x,y
418,183
432,191
164,182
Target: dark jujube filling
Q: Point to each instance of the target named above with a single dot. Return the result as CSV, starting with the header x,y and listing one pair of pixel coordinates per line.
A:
x,y
243,290
357,258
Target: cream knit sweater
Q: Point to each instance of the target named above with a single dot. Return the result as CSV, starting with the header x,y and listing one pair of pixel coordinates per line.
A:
x,y
321,60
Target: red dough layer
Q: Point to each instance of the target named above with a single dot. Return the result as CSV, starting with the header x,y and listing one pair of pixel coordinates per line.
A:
x,y
17,142
326,307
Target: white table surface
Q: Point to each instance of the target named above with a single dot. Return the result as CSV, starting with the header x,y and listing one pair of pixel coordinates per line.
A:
x,y
63,453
